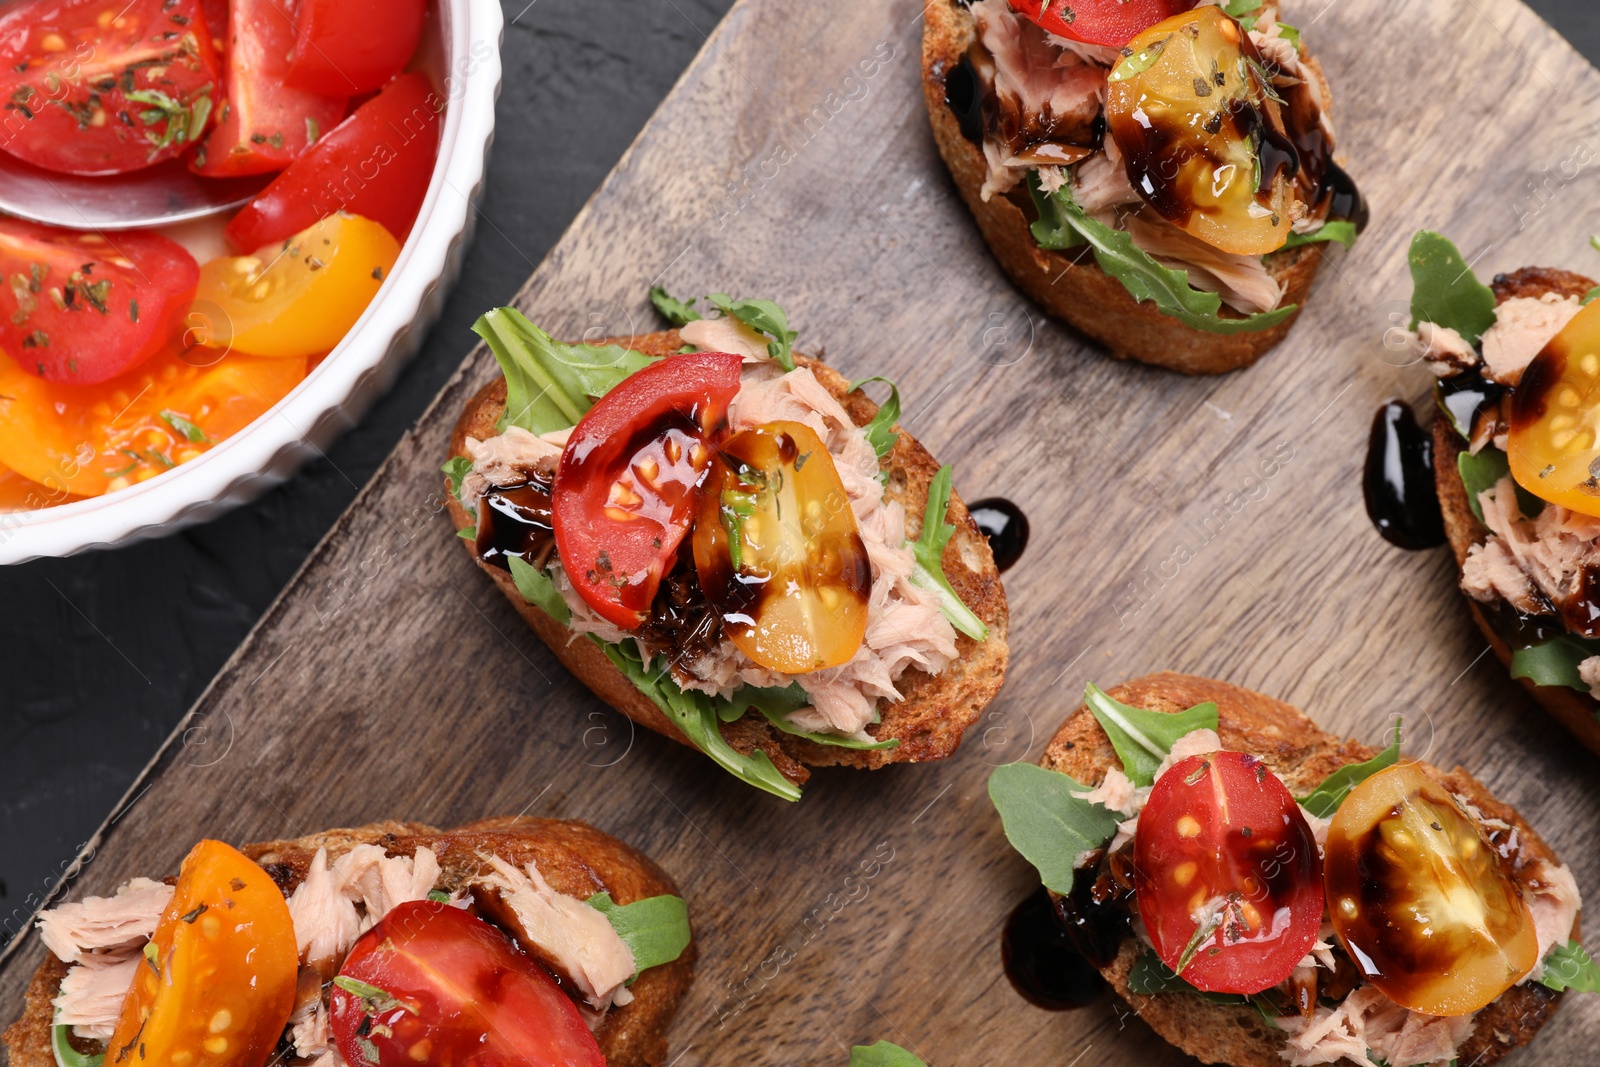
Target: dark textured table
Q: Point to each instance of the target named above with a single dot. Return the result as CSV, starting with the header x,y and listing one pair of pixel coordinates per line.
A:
x,y
102,654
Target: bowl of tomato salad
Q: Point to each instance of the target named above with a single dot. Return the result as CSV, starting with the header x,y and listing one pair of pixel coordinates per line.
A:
x,y
150,380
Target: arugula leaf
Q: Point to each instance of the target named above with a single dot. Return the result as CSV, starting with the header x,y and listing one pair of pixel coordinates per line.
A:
x,y
1141,737
1570,967
538,589
696,715
1341,230
763,316
673,310
778,704
1236,8
1325,799
189,430
66,1055
549,385
656,929
456,470
1483,471
468,534
1137,270
1289,33
883,1054
1554,662
1445,292
929,552
1149,976
1588,298
880,431
1047,820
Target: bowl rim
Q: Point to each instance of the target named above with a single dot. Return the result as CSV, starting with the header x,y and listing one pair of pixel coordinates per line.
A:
x,y
472,35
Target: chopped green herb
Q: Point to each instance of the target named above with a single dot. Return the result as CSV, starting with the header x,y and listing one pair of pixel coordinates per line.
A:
x,y
189,430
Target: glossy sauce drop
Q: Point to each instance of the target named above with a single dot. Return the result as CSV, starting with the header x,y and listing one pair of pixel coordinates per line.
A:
x,y
1040,960
1402,499
515,521
965,101
1004,526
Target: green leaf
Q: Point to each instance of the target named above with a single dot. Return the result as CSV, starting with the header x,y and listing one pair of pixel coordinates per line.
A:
x,y
1325,799
1570,967
880,431
468,534
1136,63
456,470
1047,820
189,430
763,316
1554,662
1340,230
1239,8
1588,298
1483,471
1291,34
883,1054
656,929
439,896
1139,273
549,385
1141,737
672,309
1149,976
66,1055
778,704
696,715
1445,292
929,552
538,589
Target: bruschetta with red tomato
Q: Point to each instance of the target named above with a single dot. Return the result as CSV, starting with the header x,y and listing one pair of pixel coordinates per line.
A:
x,y
730,543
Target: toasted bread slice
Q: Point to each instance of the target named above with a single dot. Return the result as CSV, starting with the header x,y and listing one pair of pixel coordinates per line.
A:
x,y
1069,285
935,709
1576,711
1302,755
573,857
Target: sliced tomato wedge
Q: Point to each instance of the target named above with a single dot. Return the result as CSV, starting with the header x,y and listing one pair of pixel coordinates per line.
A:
x,y
263,124
92,88
346,47
1228,878
377,164
82,308
431,984
625,492
1106,22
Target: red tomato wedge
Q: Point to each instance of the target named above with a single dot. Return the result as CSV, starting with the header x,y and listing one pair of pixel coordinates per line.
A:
x,y
82,308
1106,22
430,984
105,86
1228,878
263,124
625,492
346,47
376,164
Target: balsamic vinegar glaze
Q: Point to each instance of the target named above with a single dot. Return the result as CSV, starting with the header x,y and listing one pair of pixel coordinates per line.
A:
x,y
1040,960
1004,526
1402,497
965,100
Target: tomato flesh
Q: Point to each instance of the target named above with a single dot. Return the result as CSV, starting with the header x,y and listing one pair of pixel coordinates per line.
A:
x,y
1227,875
263,124
378,163
82,308
1203,141
1554,441
105,86
625,492
346,47
1105,22
217,983
778,551
1421,900
438,986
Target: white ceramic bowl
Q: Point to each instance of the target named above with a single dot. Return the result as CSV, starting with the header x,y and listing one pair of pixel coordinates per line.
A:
x,y
462,53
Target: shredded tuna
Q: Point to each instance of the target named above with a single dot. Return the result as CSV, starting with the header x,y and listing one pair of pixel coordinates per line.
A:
x,y
509,459
726,334
337,902
1366,1019
1100,183
1243,281
1116,791
1523,326
93,991
310,1027
1553,900
1529,559
326,922
105,924
1589,672
1444,350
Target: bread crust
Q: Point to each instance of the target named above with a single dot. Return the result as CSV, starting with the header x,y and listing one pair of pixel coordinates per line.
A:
x,y
1302,755
1069,285
935,709
575,858
1574,710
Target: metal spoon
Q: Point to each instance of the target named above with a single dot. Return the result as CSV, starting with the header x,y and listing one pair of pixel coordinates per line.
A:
x,y
157,196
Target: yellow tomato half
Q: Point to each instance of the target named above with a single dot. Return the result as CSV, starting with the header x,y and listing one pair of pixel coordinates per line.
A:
x,y
1554,443
300,297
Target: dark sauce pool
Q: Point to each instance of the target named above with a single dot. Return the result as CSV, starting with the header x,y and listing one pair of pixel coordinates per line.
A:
x,y
1398,482
1004,526
1040,959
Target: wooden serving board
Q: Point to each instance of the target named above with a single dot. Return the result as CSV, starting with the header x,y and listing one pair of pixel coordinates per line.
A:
x,y
794,161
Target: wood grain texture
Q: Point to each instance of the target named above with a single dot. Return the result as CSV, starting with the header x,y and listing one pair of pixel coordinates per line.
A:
x,y
393,680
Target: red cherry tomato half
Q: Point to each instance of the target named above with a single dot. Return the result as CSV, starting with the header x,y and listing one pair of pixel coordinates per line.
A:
x,y
1228,878
437,986
86,93
1104,22
625,493
263,124
376,164
346,47
82,308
